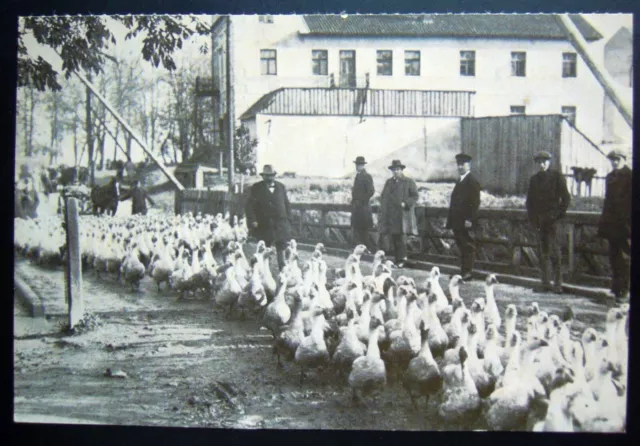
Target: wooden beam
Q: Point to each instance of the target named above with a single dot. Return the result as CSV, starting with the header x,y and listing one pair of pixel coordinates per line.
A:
x,y
131,131
605,80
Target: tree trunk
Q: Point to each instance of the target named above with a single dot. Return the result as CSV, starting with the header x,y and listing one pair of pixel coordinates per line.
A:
x,y
115,146
89,131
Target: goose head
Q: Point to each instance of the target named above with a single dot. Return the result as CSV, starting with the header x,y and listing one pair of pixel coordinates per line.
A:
x,y
388,284
614,315
472,328
491,333
589,336
533,309
478,305
424,329
511,312
554,322
359,250
514,340
434,273
261,246
562,375
491,280
379,256
455,281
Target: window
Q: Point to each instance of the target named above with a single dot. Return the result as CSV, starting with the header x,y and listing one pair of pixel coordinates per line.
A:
x,y
385,62
569,112
319,61
517,109
518,63
268,63
412,63
265,18
569,68
467,63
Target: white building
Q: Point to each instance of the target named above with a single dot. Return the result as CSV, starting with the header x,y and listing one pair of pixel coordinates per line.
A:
x,y
618,61
284,68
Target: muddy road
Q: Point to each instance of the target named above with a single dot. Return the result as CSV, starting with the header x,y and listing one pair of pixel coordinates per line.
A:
x,y
182,363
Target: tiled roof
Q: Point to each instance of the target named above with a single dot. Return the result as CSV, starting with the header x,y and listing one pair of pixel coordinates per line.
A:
x,y
358,101
529,26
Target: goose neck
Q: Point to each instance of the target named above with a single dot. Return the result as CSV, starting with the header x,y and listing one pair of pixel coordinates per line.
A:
x,y
373,351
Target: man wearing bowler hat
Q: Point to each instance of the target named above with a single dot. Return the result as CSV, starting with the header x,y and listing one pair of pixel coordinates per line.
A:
x,y
463,211
547,203
361,215
615,223
269,213
397,216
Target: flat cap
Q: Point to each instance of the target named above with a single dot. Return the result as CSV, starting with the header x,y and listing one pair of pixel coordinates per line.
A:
x,y
543,155
463,158
616,154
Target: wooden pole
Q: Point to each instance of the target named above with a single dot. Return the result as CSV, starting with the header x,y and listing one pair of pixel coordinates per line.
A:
x,y
230,117
89,129
73,265
605,80
132,132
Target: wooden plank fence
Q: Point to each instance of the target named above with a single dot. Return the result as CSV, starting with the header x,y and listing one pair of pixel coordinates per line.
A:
x,y
506,242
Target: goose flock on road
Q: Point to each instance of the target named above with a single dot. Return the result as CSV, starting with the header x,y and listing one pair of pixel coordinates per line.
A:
x,y
458,353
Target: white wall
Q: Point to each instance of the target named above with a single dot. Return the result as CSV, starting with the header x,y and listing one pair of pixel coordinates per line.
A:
x,y
327,145
542,91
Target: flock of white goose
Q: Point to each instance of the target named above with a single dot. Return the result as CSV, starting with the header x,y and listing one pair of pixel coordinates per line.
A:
x,y
373,330
377,329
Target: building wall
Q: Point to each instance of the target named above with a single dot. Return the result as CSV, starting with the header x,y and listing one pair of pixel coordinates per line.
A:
x,y
327,145
618,61
542,91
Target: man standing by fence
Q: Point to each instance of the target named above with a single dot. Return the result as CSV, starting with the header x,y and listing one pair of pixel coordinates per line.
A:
x,y
463,210
397,216
139,198
547,203
615,223
361,215
269,212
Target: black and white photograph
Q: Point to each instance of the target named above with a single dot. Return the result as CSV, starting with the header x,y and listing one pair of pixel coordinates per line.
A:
x,y
416,222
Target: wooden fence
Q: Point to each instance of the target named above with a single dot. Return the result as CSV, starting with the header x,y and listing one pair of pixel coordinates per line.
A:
x,y
506,242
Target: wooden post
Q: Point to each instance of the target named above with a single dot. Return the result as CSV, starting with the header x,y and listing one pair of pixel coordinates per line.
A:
x,y
73,265
89,130
571,248
323,225
230,114
605,79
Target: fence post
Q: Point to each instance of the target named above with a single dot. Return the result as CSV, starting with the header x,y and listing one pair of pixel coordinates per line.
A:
x,y
571,248
323,224
73,265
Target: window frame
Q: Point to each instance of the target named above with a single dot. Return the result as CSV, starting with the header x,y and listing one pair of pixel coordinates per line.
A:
x,y
517,113
567,73
518,66
268,59
409,63
469,64
573,114
380,60
315,59
265,18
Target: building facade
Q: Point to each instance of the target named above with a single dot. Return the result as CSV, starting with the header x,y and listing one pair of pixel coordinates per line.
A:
x,y
512,64
618,61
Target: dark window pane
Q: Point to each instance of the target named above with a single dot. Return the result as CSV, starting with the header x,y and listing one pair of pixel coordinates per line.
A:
x,y
518,64
385,62
412,63
467,63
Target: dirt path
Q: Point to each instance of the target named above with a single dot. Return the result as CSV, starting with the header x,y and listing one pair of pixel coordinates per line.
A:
x,y
186,365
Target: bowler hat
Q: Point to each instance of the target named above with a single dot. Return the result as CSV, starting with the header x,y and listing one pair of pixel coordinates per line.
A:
x,y
396,164
463,158
360,160
267,170
616,154
542,156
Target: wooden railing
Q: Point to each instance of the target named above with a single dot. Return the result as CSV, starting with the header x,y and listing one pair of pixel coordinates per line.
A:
x,y
506,242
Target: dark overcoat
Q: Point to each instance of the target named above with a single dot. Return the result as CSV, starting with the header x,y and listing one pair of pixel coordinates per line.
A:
x,y
139,198
615,221
363,190
464,204
547,198
272,212
26,203
392,218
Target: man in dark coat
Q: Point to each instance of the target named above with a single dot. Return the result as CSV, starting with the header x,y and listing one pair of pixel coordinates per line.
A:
x,y
463,214
139,198
397,216
269,212
26,199
615,223
547,202
361,215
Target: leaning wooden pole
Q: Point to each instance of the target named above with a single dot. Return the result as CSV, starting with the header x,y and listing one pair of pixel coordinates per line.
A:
x,y
605,80
132,132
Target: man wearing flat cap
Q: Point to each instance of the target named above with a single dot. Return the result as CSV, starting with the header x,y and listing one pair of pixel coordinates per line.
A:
x,y
397,216
547,202
361,215
615,223
463,211
269,212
